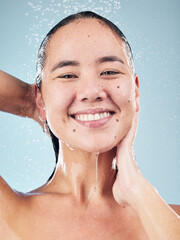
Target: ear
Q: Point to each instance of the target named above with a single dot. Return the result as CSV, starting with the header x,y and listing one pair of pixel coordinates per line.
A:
x,y
137,92
39,104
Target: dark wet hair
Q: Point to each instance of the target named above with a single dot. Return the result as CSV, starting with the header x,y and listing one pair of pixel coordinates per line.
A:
x,y
43,47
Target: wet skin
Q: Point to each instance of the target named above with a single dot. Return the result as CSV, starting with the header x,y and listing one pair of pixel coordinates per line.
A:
x,y
73,205
90,85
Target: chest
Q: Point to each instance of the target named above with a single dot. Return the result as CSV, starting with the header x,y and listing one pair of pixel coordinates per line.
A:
x,y
68,224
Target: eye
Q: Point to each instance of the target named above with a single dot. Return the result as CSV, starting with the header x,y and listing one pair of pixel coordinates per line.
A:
x,y
67,76
110,72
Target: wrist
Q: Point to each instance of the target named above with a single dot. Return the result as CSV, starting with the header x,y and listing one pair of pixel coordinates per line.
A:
x,y
139,191
30,100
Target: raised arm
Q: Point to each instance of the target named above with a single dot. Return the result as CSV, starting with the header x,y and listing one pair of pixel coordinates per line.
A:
x,y
131,188
17,97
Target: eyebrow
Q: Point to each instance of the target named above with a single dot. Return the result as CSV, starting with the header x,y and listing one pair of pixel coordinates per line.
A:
x,y
110,59
76,63
64,64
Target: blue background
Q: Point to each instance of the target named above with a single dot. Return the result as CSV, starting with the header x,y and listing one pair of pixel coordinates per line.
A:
x,y
153,30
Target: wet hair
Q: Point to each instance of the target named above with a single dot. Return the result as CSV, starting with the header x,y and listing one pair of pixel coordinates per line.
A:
x,y
42,54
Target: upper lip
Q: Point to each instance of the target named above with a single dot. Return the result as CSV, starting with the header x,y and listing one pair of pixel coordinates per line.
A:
x,y
93,111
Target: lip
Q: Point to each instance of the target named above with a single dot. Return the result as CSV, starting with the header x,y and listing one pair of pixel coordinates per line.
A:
x,y
96,123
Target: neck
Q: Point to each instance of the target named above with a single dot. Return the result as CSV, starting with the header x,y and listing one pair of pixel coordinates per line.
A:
x,y
84,175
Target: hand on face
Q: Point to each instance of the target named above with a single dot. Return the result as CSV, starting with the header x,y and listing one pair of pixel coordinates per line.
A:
x,y
128,171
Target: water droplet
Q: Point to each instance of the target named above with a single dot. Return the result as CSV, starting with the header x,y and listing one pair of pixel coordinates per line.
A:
x,y
71,148
113,164
96,155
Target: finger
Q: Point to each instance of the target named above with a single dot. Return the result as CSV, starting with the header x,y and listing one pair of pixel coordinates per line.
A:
x,y
132,133
129,138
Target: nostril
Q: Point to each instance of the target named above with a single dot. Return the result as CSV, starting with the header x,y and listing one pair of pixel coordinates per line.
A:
x,y
99,98
84,99
90,95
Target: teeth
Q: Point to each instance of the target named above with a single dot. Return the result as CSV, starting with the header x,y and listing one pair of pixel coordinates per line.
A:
x,y
101,115
92,117
96,116
85,118
106,114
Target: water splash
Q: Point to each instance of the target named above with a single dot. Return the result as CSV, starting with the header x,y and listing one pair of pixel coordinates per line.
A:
x,y
129,59
96,159
113,167
46,14
68,145
95,188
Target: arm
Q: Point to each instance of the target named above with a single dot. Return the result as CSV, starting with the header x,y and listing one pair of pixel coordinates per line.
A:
x,y
17,97
158,219
131,188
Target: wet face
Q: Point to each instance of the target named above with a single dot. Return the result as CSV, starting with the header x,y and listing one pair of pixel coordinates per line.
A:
x,y
89,94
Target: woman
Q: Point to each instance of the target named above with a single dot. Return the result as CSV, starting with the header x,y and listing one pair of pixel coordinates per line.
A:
x,y
87,96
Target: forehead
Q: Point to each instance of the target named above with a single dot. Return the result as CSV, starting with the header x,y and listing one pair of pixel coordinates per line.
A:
x,y
88,36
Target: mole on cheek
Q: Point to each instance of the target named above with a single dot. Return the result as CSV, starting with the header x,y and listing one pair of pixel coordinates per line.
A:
x,y
115,137
118,86
74,130
129,101
117,120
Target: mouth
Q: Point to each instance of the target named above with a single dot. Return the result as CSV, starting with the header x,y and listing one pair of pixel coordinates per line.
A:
x,y
93,119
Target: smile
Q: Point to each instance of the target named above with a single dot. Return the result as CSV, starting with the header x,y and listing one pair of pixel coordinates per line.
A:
x,y
93,120
92,117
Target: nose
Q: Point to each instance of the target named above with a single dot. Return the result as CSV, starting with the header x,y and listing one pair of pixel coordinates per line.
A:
x,y
91,91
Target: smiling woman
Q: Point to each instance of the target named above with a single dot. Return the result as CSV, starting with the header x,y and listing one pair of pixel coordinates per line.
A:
x,y
67,65
87,96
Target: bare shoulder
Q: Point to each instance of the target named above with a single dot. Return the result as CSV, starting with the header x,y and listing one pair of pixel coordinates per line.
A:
x,y
10,210
176,208
8,198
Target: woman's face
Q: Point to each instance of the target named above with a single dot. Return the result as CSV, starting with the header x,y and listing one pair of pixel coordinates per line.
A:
x,y
89,94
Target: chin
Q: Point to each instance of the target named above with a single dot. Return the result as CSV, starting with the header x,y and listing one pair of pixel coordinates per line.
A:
x,y
99,148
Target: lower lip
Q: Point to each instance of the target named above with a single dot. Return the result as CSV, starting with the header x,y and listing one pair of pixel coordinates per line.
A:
x,y
95,123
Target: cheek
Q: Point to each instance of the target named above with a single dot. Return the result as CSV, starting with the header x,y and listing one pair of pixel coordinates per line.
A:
x,y
57,101
122,93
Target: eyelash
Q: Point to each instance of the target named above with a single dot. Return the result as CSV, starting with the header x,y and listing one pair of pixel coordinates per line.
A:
x,y
109,73
67,76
